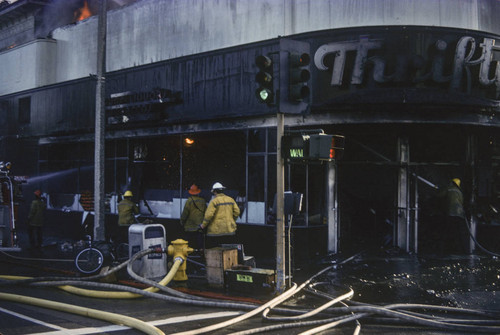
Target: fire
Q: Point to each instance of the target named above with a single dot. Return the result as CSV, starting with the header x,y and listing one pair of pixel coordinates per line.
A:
x,y
83,13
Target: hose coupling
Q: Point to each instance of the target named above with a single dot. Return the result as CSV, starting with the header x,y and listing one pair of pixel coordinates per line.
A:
x,y
159,250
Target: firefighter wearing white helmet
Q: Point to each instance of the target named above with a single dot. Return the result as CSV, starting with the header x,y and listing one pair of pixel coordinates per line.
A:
x,y
220,218
217,186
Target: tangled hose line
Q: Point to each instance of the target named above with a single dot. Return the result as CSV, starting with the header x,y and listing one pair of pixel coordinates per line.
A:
x,y
336,311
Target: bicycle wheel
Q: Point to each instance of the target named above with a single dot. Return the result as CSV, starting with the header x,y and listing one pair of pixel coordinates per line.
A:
x,y
89,260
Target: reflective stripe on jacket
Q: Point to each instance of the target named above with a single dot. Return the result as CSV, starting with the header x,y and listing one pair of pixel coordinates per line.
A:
x,y
220,216
193,213
126,211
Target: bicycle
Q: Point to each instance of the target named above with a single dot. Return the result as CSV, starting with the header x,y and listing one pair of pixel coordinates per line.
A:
x,y
91,259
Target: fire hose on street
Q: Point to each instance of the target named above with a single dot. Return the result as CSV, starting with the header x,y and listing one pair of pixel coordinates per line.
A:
x,y
89,312
351,312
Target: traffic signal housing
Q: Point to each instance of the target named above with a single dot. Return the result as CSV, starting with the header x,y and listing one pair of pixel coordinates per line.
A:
x,y
326,147
295,91
264,79
299,75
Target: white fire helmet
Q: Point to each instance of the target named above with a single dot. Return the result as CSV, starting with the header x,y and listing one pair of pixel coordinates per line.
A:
x,y
217,186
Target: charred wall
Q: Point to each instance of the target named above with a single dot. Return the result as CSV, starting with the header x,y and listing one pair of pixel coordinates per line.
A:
x,y
58,110
397,74
211,86
151,31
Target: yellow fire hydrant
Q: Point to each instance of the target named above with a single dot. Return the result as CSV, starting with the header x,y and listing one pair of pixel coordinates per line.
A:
x,y
180,249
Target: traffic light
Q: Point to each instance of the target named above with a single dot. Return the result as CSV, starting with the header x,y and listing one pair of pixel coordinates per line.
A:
x,y
264,78
299,75
295,91
326,147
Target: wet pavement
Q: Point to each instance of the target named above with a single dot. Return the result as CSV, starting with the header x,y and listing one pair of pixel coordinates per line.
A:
x,y
468,281
466,284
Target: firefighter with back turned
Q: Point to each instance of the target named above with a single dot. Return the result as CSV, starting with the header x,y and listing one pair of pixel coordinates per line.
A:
x,y
127,210
220,218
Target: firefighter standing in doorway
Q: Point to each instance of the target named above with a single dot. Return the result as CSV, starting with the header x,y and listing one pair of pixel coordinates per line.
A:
x,y
127,210
220,218
192,216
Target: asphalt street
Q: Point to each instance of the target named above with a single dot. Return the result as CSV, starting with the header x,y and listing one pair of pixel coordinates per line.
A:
x,y
451,288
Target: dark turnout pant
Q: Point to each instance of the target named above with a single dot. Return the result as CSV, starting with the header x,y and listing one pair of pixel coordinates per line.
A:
x,y
35,234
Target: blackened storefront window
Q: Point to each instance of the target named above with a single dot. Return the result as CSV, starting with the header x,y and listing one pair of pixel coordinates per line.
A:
x,y
173,163
156,164
214,157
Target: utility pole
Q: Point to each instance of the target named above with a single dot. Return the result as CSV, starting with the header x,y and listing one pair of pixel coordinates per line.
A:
x,y
280,212
99,139
292,93
265,93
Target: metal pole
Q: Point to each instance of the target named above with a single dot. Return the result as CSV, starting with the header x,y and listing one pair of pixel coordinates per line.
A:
x,y
402,222
415,218
99,145
280,212
181,174
470,161
332,210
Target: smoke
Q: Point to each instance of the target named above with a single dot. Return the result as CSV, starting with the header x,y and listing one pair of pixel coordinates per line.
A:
x,y
57,14
60,13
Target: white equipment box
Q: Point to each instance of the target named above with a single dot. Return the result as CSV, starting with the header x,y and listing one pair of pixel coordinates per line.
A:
x,y
144,236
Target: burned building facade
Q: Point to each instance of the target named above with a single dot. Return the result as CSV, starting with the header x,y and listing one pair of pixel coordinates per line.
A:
x,y
412,85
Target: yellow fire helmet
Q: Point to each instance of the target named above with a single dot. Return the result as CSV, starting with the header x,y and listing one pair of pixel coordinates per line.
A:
x,y
128,194
456,181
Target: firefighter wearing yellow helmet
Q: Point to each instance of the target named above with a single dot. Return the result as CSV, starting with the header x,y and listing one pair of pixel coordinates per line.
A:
x,y
220,218
127,210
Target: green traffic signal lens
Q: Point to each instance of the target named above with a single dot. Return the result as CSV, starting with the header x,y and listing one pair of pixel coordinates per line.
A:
x,y
264,95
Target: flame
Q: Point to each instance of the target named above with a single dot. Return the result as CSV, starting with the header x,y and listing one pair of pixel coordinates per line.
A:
x,y
83,13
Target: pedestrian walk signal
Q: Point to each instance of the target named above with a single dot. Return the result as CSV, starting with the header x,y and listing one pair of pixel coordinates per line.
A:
x,y
326,147
314,147
295,147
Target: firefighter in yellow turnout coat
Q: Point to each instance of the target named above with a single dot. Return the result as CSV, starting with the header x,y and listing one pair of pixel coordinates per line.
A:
x,y
127,210
192,216
220,218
